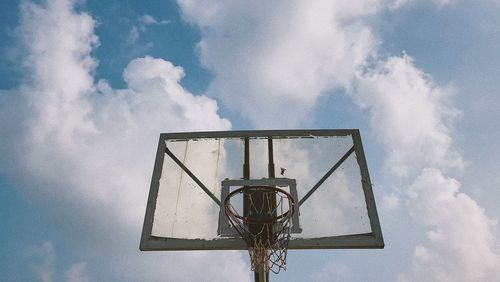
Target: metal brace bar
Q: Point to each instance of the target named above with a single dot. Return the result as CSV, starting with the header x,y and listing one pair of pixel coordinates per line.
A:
x,y
188,172
316,186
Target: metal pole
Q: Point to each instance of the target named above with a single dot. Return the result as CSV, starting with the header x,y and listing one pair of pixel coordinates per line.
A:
x,y
263,275
271,174
259,274
271,157
246,164
246,175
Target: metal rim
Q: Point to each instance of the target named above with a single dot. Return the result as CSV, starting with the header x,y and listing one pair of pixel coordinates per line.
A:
x,y
260,187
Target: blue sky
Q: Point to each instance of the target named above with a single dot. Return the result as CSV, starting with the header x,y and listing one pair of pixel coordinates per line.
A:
x,y
87,86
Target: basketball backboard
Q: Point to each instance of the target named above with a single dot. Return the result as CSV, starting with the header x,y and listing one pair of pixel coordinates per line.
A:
x,y
325,172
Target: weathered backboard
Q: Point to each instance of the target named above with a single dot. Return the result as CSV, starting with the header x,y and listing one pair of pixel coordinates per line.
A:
x,y
324,170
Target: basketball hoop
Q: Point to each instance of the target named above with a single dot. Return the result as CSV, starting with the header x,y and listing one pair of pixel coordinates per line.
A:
x,y
245,188
264,225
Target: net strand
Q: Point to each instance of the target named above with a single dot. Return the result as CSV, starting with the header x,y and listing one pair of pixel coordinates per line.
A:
x,y
266,226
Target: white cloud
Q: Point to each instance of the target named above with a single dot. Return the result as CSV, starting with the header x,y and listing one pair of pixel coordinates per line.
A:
x,y
461,241
88,149
149,20
59,74
143,22
272,61
409,115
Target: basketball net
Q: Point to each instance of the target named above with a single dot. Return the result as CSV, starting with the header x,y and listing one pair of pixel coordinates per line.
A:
x,y
265,226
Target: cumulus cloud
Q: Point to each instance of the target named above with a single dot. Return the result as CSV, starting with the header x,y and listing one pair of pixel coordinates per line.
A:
x,y
273,60
276,59
411,117
461,239
88,149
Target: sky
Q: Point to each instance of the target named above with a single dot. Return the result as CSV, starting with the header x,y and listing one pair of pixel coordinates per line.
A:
x,y
87,86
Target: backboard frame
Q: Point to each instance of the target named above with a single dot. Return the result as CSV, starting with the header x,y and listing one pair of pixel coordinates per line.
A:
x,y
372,240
